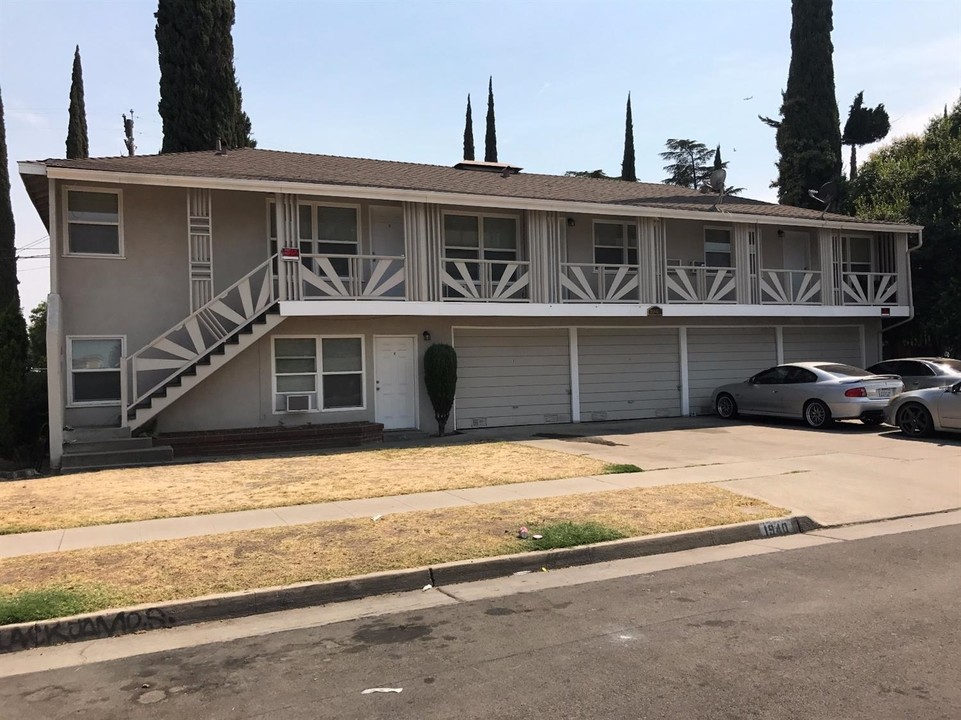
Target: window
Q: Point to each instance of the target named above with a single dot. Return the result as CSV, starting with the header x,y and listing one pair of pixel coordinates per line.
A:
x,y
329,370
328,230
95,370
843,370
717,247
774,376
798,375
93,223
913,368
615,243
479,237
856,254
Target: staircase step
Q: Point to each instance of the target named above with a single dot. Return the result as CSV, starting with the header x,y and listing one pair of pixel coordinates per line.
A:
x,y
114,445
95,434
117,458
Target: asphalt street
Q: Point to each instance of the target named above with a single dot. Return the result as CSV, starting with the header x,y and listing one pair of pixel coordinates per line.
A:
x,y
862,629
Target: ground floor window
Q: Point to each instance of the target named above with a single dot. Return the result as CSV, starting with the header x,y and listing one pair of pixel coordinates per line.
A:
x,y
94,370
318,373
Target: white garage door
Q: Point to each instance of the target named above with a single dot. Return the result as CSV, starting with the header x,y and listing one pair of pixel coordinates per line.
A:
x,y
512,377
830,344
625,374
717,356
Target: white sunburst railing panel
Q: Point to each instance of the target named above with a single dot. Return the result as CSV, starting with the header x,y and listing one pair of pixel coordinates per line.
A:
x,y
700,284
866,288
587,282
208,327
353,277
486,280
791,287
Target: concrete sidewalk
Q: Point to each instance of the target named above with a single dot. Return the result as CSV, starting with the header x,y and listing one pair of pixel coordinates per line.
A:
x,y
851,474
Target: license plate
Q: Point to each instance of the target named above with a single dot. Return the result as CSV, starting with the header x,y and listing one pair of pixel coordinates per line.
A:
x,y
884,392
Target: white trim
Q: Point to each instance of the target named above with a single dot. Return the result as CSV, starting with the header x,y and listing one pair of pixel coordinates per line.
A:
x,y
319,373
55,387
65,245
416,377
779,343
68,363
575,375
53,234
685,379
446,198
390,308
31,167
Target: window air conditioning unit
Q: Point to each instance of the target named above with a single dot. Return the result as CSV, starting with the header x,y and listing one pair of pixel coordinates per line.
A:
x,y
298,403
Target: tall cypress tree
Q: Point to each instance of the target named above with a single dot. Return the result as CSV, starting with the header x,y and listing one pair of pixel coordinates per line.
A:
x,y
627,165
77,144
468,134
200,101
809,133
490,139
13,330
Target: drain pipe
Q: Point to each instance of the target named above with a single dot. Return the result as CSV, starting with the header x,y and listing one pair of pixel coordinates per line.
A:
x,y
910,316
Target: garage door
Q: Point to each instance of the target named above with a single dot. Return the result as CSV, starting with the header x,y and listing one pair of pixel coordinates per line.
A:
x,y
718,356
512,377
626,374
831,344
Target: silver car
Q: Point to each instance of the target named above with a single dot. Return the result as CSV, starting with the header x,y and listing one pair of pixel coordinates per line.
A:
x,y
920,412
921,372
817,392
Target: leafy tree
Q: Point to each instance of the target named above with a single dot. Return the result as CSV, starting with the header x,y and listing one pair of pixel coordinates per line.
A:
x,y
77,144
37,336
918,180
688,162
200,100
8,262
440,377
468,133
490,139
808,134
628,171
597,174
864,126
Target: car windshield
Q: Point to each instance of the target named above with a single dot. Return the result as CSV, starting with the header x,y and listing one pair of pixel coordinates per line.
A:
x,y
844,370
950,365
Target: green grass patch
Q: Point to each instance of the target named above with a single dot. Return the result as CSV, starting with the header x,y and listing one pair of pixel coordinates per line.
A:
x,y
54,602
615,468
570,534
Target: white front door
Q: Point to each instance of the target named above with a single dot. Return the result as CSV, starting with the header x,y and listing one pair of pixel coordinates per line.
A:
x,y
395,388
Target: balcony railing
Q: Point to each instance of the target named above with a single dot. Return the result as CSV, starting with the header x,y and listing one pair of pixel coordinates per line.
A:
x,y
866,288
586,282
485,280
791,287
700,284
353,277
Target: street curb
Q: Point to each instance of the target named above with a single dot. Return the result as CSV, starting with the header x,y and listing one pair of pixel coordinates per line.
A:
x,y
114,623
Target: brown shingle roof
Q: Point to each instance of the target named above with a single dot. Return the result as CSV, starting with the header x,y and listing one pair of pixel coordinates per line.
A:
x,y
274,165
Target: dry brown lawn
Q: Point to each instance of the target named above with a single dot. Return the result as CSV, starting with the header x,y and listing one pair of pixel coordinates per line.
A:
x,y
111,496
171,569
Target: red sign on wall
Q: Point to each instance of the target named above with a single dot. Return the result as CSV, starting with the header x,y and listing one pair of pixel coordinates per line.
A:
x,y
290,253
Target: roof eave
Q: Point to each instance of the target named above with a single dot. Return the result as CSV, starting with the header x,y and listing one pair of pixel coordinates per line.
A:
x,y
35,180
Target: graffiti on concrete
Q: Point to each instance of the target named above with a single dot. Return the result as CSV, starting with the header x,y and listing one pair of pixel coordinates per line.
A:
x,y
56,632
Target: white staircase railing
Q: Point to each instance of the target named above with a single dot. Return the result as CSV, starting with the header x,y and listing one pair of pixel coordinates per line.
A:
x,y
159,361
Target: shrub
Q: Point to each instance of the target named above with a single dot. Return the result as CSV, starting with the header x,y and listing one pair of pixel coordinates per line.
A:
x,y
440,377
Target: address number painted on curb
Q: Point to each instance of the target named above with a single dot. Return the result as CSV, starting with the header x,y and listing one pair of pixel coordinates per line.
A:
x,y
774,528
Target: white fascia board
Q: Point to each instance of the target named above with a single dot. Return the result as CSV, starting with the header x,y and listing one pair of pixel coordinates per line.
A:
x,y
31,167
348,308
445,198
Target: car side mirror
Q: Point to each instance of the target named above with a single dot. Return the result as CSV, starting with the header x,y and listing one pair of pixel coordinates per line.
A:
x,y
956,388
752,380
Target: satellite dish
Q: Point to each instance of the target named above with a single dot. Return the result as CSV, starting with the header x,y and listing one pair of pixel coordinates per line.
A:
x,y
826,195
716,183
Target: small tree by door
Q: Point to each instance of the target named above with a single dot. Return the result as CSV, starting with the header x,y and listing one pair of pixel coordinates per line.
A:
x,y
440,377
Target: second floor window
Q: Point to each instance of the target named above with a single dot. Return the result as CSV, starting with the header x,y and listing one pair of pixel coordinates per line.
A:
x,y
717,247
93,223
615,243
480,237
327,230
856,254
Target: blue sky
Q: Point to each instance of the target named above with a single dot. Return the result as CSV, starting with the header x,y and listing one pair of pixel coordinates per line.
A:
x,y
390,79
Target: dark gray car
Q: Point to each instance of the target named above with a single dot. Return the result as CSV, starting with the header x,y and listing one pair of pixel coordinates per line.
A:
x,y
921,372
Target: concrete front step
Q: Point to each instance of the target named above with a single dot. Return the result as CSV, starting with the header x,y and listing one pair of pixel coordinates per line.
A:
x,y
114,445
116,458
94,434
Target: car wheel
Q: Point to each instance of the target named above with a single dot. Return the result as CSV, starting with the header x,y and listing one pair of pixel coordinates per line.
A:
x,y
915,420
817,414
872,421
726,407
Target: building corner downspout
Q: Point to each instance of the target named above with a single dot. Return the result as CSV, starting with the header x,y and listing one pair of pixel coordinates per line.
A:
x,y
910,316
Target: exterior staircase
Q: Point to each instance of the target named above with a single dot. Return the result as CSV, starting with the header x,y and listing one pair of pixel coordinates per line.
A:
x,y
198,346
98,448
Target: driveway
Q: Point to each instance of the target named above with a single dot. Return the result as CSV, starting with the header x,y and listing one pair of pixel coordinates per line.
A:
x,y
850,473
